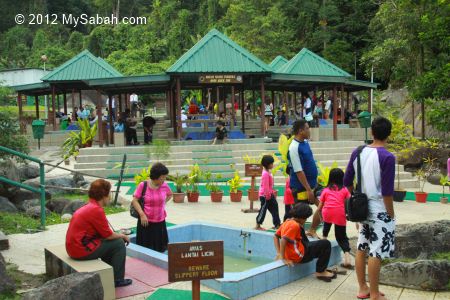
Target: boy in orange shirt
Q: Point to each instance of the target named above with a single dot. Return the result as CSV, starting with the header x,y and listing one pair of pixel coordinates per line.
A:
x,y
292,244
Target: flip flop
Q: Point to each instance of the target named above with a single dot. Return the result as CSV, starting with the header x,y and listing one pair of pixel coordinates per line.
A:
x,y
349,266
260,228
367,296
325,278
335,270
315,235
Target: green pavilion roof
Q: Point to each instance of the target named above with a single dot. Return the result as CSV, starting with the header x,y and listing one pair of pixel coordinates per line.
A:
x,y
278,62
216,53
83,66
310,64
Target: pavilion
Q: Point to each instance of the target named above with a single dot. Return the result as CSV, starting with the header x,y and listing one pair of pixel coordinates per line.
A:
x,y
214,63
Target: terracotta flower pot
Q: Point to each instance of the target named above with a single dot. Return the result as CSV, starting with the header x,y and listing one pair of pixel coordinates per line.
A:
x,y
67,162
216,196
253,195
193,197
421,197
236,196
444,200
178,197
87,145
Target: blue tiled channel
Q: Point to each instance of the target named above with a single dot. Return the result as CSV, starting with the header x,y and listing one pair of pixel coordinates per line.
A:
x,y
252,243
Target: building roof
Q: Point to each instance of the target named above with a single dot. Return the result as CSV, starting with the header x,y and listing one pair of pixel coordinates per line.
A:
x,y
83,66
278,62
310,64
216,53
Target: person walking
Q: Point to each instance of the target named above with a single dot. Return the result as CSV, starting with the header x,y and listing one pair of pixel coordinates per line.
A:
x,y
377,233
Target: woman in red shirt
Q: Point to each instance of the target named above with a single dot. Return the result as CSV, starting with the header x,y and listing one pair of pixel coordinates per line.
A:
x,y
90,237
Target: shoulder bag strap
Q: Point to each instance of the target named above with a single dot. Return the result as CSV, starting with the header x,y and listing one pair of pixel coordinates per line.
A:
x,y
144,191
358,170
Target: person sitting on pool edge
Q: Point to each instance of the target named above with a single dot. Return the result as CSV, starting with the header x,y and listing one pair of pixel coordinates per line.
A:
x,y
292,244
90,237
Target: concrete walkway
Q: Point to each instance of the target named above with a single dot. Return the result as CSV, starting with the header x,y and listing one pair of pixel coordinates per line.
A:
x,y
27,250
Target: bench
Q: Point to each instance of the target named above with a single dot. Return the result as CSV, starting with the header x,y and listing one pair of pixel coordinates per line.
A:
x,y
58,263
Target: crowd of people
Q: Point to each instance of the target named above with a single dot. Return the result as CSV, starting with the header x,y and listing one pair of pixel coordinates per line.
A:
x,y
89,235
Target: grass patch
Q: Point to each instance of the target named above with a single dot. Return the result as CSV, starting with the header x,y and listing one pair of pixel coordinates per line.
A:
x,y
11,223
388,261
72,196
442,255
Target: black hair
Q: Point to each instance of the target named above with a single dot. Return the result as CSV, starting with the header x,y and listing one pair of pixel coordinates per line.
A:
x,y
381,128
220,122
336,178
266,160
301,211
158,170
298,125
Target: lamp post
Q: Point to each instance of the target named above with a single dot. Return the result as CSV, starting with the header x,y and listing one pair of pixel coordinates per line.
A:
x,y
44,59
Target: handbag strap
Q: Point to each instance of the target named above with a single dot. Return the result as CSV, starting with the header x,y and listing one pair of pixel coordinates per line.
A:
x,y
358,168
144,190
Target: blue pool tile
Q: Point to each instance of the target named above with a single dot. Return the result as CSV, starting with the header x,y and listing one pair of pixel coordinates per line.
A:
x,y
272,279
245,288
259,284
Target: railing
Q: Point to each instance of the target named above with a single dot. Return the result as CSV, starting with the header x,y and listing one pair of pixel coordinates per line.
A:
x,y
40,190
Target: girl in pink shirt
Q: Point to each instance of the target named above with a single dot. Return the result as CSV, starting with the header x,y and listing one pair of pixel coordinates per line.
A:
x,y
288,199
151,231
267,195
332,205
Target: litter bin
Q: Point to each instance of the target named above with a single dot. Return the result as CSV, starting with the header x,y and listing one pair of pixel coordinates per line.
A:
x,y
38,127
64,124
365,120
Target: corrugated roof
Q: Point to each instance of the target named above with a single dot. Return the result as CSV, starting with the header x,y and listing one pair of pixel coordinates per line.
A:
x,y
83,66
309,63
278,62
216,53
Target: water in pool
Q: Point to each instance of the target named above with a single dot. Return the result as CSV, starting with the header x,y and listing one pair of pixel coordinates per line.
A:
x,y
234,262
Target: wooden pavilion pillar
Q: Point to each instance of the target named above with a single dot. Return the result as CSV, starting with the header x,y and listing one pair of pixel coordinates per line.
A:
x,y
342,105
334,114
36,103
285,96
99,119
273,99
53,108
349,107
262,106
233,112
81,100
127,97
241,97
167,103
218,100
369,102
178,109
254,104
65,103
58,107
120,104
74,112
110,119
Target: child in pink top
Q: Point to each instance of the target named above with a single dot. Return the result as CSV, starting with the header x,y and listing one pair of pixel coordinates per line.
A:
x,y
267,195
332,205
288,199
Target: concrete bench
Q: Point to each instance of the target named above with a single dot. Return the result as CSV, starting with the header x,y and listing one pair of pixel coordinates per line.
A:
x,y
58,263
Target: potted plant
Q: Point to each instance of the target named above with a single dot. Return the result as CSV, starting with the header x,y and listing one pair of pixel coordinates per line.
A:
x,y
87,133
194,178
422,174
444,181
179,181
213,187
403,143
235,183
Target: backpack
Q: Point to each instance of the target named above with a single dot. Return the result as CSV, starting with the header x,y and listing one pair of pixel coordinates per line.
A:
x,y
357,206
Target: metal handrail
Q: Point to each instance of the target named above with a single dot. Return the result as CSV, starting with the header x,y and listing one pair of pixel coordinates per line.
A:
x,y
40,190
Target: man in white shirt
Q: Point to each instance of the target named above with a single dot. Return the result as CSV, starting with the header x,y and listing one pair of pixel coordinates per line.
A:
x,y
113,105
134,104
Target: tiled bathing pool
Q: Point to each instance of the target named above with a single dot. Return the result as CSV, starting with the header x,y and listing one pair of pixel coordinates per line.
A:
x,y
259,275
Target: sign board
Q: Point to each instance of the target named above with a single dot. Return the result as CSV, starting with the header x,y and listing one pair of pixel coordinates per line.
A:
x,y
253,170
195,260
220,78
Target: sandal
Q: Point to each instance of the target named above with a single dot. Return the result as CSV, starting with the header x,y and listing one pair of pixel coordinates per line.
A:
x,y
325,278
367,296
313,235
336,271
349,266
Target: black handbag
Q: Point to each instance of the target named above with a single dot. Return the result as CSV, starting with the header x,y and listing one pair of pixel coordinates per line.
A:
x,y
357,206
133,211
